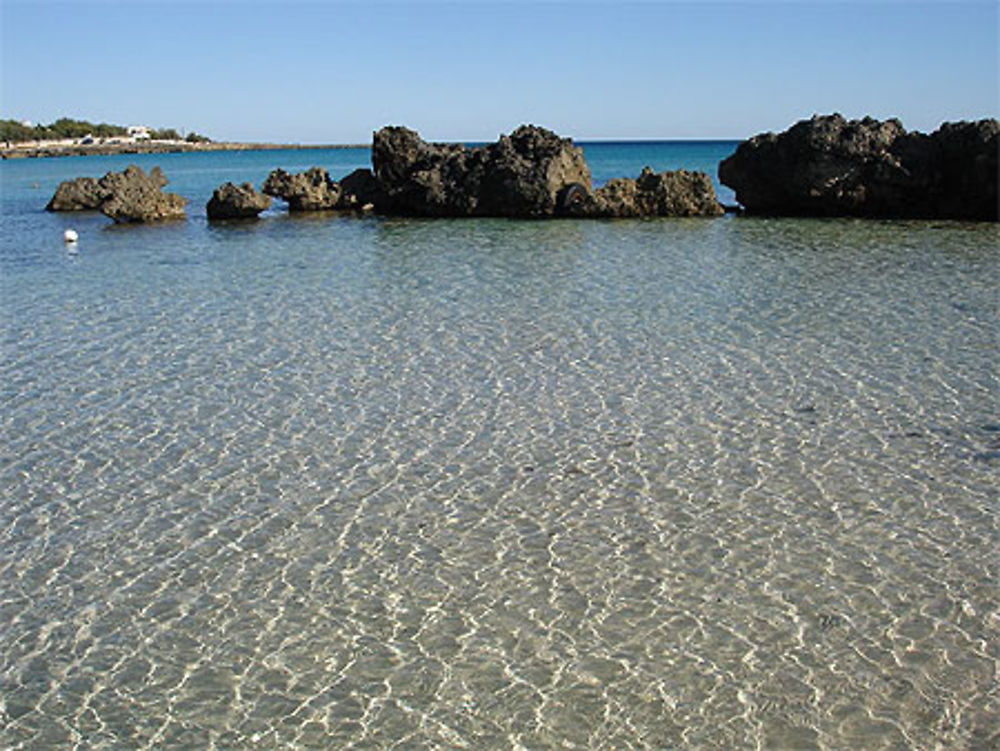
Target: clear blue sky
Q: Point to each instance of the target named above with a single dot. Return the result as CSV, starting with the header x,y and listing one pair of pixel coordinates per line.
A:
x,y
331,72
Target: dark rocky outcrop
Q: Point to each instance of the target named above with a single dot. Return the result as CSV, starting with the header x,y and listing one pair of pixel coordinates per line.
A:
x,y
679,193
532,173
81,194
136,197
521,175
312,190
830,166
128,196
359,190
231,201
133,177
315,190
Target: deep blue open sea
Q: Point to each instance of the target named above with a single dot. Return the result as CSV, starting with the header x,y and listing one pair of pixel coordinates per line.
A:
x,y
331,481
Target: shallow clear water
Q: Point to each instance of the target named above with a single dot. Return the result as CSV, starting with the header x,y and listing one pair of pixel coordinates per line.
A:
x,y
320,482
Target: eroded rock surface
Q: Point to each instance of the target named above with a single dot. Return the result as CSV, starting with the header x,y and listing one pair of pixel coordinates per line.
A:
x,y
680,193
81,194
312,190
359,191
128,196
521,175
830,166
231,201
135,197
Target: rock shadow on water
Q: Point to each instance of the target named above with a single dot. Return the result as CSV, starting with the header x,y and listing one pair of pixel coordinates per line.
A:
x,y
322,216
139,230
478,236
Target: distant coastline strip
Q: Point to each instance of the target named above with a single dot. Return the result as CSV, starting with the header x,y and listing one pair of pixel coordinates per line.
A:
x,y
37,149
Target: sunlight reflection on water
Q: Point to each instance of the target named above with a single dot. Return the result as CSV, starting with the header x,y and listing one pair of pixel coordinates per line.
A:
x,y
333,481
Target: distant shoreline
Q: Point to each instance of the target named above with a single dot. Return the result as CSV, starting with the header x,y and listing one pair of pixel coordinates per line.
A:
x,y
42,149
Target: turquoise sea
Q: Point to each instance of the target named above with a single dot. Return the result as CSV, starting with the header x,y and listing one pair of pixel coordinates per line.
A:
x,y
326,481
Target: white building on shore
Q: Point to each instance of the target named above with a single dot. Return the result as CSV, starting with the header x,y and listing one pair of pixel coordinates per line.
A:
x,y
138,132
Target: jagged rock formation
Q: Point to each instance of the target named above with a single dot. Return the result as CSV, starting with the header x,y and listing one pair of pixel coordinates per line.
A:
x,y
829,166
81,194
128,196
825,166
359,191
521,175
531,173
312,190
679,193
231,201
136,197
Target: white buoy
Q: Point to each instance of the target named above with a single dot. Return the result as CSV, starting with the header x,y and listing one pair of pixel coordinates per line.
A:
x,y
70,236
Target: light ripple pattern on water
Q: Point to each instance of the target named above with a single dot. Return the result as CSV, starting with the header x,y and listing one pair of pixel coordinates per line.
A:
x,y
316,483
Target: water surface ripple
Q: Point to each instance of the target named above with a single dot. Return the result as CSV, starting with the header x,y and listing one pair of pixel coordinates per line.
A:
x,y
339,483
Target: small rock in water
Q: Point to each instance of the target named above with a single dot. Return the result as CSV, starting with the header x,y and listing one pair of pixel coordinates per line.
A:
x,y
231,201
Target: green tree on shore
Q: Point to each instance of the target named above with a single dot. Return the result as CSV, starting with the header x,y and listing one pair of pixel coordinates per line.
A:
x,y
165,134
65,127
